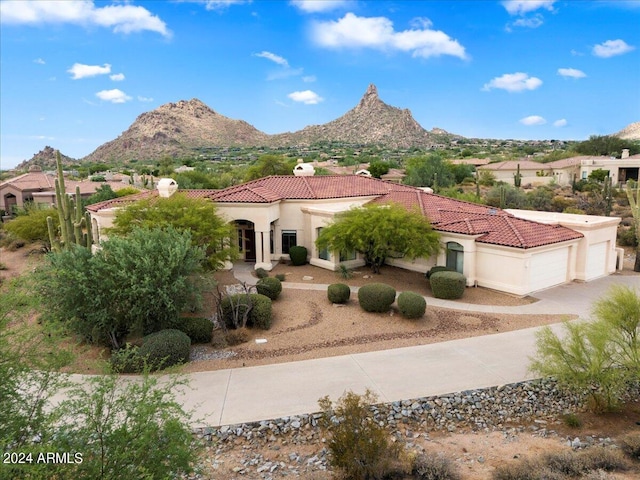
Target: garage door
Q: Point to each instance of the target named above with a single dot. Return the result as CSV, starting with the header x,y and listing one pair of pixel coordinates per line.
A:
x,y
596,261
548,269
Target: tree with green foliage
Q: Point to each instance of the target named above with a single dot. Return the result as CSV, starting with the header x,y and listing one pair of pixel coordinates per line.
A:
x,y
377,168
600,358
195,180
380,231
31,226
267,165
506,196
598,175
606,145
633,195
134,284
430,171
197,215
461,171
103,192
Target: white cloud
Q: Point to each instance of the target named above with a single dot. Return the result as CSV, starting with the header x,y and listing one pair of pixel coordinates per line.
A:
x,y
560,123
220,4
307,97
571,72
144,99
273,57
113,96
315,6
521,7
611,48
79,70
39,61
531,22
513,82
576,53
378,33
117,77
309,78
124,18
533,120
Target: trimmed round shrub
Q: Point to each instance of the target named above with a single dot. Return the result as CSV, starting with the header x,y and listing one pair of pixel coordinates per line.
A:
x,y
338,293
436,269
165,348
261,273
448,285
281,276
298,255
376,297
259,316
269,287
411,305
198,329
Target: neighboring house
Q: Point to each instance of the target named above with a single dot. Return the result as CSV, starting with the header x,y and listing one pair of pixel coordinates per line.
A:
x,y
39,187
493,248
564,171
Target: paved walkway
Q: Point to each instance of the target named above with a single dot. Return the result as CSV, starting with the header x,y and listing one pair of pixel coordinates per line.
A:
x,y
255,393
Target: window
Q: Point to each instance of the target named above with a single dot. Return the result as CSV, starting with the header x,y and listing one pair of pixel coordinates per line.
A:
x,y
324,253
584,175
289,239
350,255
455,257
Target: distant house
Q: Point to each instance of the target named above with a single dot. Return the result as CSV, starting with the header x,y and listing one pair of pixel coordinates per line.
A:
x,y
493,248
39,187
564,171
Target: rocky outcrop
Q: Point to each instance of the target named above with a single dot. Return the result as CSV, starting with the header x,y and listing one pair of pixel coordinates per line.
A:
x,y
46,160
630,132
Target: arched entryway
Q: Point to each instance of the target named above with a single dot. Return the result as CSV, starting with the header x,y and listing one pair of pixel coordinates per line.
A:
x,y
455,257
246,240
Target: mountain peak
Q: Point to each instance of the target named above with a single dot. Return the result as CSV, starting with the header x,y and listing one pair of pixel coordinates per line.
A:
x,y
370,97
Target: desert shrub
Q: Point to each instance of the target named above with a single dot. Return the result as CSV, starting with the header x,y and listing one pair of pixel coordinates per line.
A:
x,y
411,305
572,420
3,266
630,445
579,463
237,337
127,359
430,466
261,273
198,329
344,272
258,308
448,285
281,276
338,293
269,287
522,470
165,348
359,447
376,297
437,268
627,237
298,255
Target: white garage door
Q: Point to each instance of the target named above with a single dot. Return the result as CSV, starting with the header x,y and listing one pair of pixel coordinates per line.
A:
x,y
548,269
596,261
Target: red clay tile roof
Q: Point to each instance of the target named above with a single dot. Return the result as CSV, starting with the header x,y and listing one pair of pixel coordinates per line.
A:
x,y
491,225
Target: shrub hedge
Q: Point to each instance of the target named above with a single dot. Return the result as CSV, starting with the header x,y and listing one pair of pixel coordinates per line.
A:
x,y
269,287
448,285
298,255
436,269
198,329
259,316
411,305
376,297
338,293
165,348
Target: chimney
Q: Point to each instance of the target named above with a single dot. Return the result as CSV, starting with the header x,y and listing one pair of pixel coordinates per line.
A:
x,y
625,153
167,187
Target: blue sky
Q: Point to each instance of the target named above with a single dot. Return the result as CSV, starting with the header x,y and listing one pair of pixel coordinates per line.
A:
x,y
76,74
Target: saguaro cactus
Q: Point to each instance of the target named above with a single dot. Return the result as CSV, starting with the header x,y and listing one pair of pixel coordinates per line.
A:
x,y
72,220
633,195
517,178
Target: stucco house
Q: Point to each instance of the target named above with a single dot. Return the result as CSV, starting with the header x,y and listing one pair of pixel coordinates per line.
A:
x,y
564,171
504,250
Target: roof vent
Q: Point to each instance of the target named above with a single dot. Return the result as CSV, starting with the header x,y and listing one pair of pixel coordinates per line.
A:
x,y
426,189
493,211
167,187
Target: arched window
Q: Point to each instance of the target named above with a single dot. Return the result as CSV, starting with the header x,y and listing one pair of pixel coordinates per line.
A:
x,y
455,256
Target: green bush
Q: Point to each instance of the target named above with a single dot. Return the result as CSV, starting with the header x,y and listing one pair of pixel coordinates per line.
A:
x,y
338,293
448,285
298,255
437,268
261,273
259,315
376,297
281,276
198,329
165,348
127,360
269,287
411,305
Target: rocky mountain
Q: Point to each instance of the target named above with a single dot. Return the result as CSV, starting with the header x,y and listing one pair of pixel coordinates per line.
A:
x,y
177,129
630,132
371,122
46,158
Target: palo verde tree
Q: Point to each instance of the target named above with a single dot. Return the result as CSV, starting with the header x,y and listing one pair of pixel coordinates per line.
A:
x,y
633,194
430,171
380,231
267,165
197,215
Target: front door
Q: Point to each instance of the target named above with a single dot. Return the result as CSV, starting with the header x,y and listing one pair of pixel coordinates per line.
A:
x,y
249,245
